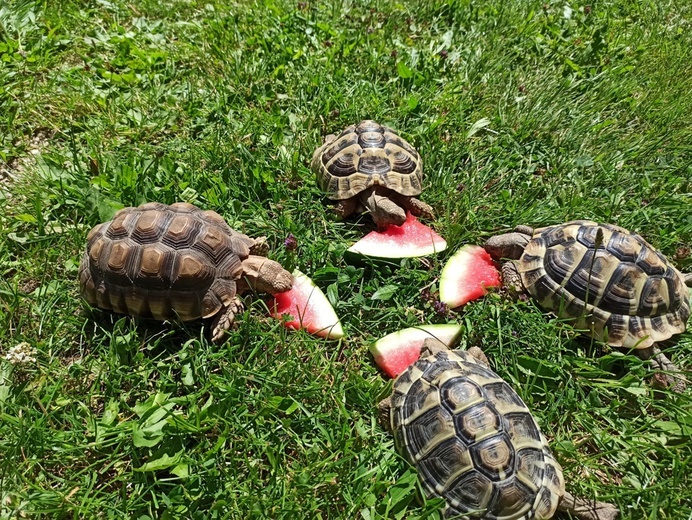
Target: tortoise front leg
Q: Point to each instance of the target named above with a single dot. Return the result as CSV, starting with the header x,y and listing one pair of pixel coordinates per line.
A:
x,y
478,354
384,410
671,376
223,321
260,246
416,206
585,509
345,208
511,277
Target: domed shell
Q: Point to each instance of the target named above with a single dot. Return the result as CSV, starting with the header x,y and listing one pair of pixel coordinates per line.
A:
x,y
611,282
365,155
163,262
473,440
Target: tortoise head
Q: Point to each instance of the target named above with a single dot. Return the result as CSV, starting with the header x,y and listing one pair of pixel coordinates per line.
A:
x,y
508,245
264,275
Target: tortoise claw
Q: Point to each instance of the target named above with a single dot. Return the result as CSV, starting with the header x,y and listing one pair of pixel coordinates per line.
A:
x,y
224,320
670,376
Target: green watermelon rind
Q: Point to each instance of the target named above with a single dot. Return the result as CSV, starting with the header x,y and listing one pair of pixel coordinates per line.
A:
x,y
386,247
319,302
413,339
455,270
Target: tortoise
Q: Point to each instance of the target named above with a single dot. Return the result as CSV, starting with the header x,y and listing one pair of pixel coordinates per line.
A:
x,y
475,443
369,166
608,281
175,262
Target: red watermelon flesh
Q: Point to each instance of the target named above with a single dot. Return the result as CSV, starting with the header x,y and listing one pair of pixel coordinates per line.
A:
x,y
467,275
396,351
409,240
306,306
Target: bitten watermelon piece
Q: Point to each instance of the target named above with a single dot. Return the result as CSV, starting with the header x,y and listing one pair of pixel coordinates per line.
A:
x,y
467,275
409,240
396,351
307,307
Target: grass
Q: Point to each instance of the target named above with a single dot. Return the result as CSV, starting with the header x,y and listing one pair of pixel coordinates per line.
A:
x,y
524,112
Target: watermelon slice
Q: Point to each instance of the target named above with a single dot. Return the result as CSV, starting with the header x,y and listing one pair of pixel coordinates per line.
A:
x,y
466,276
409,240
396,351
307,307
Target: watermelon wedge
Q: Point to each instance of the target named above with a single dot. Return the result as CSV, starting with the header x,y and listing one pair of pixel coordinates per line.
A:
x,y
307,307
409,240
396,351
467,275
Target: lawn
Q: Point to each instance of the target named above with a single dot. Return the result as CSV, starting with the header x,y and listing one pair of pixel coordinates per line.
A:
x,y
525,112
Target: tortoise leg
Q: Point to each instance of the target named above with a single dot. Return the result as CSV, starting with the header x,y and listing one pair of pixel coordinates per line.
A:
x,y
384,409
264,275
260,246
585,509
223,321
670,375
524,230
384,210
511,277
420,208
416,206
477,354
432,346
688,278
345,208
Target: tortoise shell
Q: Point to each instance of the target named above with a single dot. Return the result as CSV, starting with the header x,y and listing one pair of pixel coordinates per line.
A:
x,y
608,280
473,440
365,155
163,262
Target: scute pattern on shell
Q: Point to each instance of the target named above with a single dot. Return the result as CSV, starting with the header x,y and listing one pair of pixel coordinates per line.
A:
x,y
365,155
610,281
473,440
163,262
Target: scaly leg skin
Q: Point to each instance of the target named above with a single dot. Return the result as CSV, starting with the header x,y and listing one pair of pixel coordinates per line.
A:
x,y
477,354
584,509
671,376
260,247
511,277
384,211
524,230
224,320
432,346
345,208
416,206
384,409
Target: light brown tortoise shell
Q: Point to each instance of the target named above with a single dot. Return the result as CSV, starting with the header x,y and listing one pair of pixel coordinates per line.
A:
x,y
163,262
